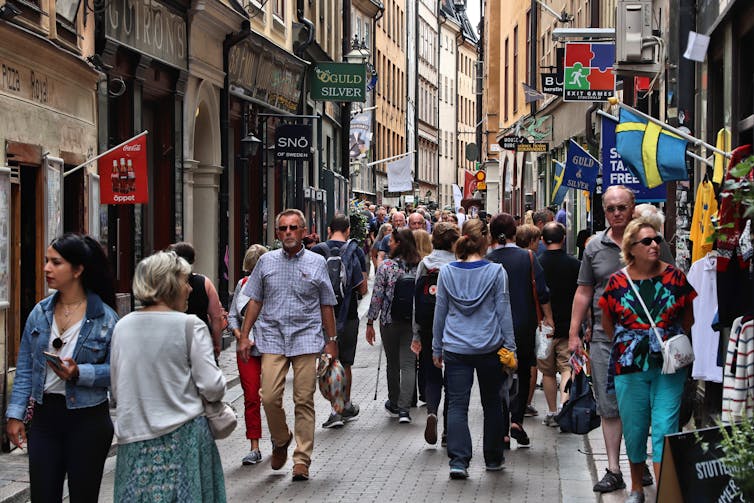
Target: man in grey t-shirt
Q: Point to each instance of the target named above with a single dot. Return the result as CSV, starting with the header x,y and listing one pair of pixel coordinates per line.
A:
x,y
602,259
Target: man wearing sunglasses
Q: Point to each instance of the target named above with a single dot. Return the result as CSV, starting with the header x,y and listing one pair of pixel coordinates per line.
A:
x,y
601,259
291,304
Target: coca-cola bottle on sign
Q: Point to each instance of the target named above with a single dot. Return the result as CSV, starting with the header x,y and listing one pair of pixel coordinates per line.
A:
x,y
114,178
131,177
123,175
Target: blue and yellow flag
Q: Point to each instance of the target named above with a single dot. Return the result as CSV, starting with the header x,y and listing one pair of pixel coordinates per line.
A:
x,y
559,190
653,154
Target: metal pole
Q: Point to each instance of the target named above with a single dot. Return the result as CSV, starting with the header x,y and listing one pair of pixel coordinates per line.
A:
x,y
89,161
391,158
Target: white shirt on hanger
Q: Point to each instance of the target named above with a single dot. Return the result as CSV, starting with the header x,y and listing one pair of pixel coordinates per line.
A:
x,y
703,277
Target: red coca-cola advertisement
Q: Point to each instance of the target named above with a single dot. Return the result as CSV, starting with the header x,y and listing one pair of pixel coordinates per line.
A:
x,y
123,173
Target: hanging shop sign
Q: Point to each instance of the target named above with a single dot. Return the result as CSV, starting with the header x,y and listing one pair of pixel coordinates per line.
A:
x,y
361,135
150,28
552,83
123,174
588,71
538,148
338,82
615,172
581,168
270,76
293,142
511,142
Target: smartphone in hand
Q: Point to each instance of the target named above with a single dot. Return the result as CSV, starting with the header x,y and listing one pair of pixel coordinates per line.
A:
x,y
53,359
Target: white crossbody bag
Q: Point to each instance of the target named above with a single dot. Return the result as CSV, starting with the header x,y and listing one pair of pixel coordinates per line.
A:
x,y
677,352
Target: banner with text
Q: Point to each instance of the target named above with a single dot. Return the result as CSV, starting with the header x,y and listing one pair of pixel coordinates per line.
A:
x,y
581,169
614,172
361,135
123,173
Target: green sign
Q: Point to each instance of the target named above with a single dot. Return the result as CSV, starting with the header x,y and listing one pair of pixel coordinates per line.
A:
x,y
338,82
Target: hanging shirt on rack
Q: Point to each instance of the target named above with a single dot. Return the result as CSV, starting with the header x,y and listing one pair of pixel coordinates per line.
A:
x,y
703,277
705,207
738,376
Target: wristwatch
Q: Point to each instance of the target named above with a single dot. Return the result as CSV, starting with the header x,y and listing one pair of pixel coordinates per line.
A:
x,y
332,339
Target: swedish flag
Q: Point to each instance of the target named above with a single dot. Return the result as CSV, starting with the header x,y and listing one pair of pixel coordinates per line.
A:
x,y
653,154
559,190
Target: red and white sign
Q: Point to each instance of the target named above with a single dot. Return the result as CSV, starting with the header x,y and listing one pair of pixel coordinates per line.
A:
x,y
123,173
469,186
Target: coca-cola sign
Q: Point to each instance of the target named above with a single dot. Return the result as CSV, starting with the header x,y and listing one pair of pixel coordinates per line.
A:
x,y
123,173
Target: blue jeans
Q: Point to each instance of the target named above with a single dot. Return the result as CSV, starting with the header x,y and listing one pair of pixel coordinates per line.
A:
x,y
459,373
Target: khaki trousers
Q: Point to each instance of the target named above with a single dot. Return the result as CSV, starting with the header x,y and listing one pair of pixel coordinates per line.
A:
x,y
274,370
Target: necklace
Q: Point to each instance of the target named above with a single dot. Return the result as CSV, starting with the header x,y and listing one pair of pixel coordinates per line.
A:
x,y
68,311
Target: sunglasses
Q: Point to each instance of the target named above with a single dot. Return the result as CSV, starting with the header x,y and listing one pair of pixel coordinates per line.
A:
x,y
284,228
648,241
612,209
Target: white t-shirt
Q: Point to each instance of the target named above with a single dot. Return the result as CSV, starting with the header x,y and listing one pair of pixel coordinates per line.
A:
x,y
702,276
54,384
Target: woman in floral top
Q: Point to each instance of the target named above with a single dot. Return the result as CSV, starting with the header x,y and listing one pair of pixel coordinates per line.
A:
x,y
644,393
396,333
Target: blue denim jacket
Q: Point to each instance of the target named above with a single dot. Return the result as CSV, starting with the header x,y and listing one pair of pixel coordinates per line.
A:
x,y
91,354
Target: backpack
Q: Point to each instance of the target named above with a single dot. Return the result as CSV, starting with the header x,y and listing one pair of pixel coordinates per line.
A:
x,y
425,297
579,414
402,307
338,261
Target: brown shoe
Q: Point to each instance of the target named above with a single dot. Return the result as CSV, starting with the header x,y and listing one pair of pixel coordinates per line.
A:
x,y
300,472
280,454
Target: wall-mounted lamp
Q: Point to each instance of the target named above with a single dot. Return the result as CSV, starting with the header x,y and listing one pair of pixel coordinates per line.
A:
x,y
250,145
8,11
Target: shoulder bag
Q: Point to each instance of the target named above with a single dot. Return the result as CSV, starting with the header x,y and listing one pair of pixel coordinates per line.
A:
x,y
543,333
221,417
677,352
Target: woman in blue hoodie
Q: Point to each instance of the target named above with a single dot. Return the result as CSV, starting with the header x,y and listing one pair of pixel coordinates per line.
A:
x,y
472,322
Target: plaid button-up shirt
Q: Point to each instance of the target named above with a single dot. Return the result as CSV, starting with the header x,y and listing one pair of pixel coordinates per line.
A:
x,y
291,291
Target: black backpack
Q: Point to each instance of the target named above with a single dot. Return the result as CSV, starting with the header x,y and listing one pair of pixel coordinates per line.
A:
x,y
425,297
579,414
338,262
402,307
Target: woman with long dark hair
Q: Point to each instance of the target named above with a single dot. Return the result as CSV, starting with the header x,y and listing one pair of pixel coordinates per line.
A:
x,y
396,331
63,373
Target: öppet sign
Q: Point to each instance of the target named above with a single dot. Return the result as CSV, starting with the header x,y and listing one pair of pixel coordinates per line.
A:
x,y
123,173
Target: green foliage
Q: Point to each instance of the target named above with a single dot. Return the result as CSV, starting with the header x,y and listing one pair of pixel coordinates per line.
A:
x,y
741,191
359,227
739,456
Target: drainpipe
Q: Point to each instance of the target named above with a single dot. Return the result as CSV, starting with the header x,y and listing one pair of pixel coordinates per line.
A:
x,y
345,108
299,51
231,40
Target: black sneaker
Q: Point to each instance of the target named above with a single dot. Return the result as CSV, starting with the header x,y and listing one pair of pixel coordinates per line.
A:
x,y
404,417
610,482
334,421
350,413
444,440
521,437
458,473
430,429
391,408
646,477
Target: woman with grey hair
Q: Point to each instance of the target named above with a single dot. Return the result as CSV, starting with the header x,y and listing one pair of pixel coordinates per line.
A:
x,y
651,214
162,370
249,371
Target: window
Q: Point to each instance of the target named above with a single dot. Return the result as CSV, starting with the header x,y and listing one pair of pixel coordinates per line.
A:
x,y
505,82
529,76
515,69
278,8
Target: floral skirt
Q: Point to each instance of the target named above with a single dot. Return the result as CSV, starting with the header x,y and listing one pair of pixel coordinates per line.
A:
x,y
181,466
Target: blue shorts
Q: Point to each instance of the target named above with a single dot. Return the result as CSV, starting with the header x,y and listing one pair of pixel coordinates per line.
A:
x,y
644,397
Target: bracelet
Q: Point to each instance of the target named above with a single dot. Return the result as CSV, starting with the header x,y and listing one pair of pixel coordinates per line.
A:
x,y
332,339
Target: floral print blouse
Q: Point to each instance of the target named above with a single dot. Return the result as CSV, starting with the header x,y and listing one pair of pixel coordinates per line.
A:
x,y
384,285
635,347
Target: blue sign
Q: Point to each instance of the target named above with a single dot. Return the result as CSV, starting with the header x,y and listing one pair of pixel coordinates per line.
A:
x,y
581,169
614,172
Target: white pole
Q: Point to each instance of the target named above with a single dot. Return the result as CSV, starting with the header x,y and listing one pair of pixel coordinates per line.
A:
x,y
390,158
89,161
695,141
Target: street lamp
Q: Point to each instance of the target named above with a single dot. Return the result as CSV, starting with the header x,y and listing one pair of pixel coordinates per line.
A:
x,y
250,145
358,53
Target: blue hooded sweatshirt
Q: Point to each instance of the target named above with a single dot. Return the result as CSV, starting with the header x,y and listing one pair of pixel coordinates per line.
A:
x,y
472,312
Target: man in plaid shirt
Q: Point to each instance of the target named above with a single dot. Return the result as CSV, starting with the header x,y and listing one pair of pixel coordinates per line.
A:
x,y
291,304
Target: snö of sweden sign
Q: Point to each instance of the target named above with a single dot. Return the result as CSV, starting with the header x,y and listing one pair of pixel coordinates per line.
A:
x,y
338,82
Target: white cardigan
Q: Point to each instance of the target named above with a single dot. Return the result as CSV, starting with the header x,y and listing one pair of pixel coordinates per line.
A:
x,y
155,382
738,383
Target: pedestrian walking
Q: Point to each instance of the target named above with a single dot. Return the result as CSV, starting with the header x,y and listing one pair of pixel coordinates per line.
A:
x,y
249,371
348,273
472,322
203,301
444,237
63,373
561,274
290,307
600,260
525,276
398,221
162,369
392,303
385,229
647,300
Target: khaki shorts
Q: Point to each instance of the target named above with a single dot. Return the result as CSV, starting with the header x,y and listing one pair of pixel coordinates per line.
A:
x,y
557,360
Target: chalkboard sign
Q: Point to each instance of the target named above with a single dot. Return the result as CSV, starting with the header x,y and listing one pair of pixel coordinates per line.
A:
x,y
692,469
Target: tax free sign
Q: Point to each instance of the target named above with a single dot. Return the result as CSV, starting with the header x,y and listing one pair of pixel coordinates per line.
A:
x,y
338,82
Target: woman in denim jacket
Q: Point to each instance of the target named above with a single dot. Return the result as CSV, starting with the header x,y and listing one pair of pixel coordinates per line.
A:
x,y
71,431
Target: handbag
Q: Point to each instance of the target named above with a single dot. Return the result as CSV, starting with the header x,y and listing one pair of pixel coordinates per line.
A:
x,y
579,413
543,332
221,417
677,352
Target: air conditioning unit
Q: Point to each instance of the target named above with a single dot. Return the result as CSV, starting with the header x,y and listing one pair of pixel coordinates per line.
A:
x,y
633,32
